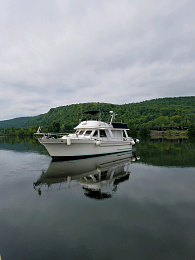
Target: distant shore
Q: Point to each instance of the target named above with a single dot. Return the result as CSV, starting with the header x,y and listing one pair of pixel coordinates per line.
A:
x,y
169,134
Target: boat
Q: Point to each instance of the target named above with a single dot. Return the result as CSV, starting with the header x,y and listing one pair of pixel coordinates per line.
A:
x,y
92,138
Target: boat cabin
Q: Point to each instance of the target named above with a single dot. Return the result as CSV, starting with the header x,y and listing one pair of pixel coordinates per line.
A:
x,y
98,130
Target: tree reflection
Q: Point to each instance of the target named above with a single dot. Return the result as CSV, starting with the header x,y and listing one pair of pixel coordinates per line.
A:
x,y
167,152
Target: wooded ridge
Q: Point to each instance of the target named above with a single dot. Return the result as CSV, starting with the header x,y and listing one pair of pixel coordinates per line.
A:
x,y
155,112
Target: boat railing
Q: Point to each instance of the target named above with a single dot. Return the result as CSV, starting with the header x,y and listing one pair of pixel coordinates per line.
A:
x,y
59,135
49,135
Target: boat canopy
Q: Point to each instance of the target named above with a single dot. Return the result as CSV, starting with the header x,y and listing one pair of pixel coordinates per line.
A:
x,y
93,112
119,125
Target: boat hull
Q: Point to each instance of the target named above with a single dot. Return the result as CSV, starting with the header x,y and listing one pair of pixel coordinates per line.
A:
x,y
61,149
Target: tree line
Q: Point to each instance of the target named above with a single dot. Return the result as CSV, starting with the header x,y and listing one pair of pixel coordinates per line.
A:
x,y
178,111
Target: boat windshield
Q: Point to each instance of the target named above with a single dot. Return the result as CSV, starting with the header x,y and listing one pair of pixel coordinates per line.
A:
x,y
88,132
95,133
102,133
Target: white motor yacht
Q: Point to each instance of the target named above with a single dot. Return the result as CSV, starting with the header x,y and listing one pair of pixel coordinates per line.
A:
x,y
92,138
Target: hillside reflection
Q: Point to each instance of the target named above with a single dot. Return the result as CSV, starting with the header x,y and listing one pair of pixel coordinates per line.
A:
x,y
99,177
157,152
169,153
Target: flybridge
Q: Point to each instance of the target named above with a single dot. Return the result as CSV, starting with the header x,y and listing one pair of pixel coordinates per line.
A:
x,y
114,124
94,112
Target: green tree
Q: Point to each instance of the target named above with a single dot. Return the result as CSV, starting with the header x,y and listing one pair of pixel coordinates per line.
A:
x,y
162,121
176,119
144,131
132,131
191,130
54,127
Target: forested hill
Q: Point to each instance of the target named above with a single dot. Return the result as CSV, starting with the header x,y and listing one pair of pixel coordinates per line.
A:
x,y
15,122
156,112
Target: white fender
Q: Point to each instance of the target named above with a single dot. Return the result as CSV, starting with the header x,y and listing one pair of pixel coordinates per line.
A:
x,y
132,142
68,140
98,143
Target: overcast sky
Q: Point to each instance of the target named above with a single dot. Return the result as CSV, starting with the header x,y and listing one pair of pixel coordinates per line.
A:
x,y
61,52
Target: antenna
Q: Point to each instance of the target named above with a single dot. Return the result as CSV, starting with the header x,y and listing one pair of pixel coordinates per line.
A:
x,y
99,112
112,116
80,119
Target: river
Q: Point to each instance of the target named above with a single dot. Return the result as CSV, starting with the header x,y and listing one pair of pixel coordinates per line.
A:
x,y
138,205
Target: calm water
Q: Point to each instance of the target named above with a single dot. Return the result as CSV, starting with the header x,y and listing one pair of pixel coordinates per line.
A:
x,y
114,207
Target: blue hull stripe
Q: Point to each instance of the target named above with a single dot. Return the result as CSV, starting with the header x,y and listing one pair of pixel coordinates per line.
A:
x,y
76,157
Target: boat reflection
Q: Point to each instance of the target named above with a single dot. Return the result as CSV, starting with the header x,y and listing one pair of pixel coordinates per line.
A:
x,y
99,177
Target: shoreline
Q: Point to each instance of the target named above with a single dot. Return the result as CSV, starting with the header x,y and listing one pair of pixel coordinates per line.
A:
x,y
171,134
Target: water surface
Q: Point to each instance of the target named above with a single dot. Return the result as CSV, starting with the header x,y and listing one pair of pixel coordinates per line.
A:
x,y
114,207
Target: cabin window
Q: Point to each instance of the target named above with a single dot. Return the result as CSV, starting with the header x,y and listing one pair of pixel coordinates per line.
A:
x,y
81,132
117,133
124,134
88,132
102,133
95,133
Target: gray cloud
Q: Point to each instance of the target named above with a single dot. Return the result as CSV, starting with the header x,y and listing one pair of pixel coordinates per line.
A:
x,y
57,53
